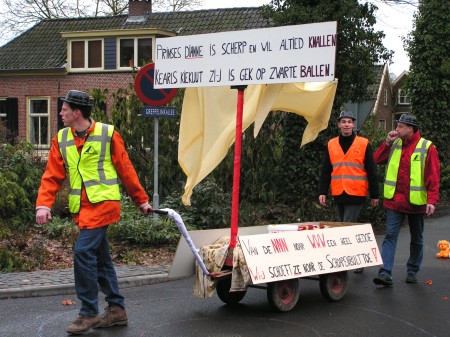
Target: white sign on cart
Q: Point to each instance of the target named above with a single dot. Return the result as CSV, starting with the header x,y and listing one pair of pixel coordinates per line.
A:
x,y
286,255
287,54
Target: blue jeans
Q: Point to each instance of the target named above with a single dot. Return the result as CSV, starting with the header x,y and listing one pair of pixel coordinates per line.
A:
x,y
93,266
393,223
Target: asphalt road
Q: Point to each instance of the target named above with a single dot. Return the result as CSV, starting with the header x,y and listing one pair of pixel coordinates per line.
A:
x,y
170,309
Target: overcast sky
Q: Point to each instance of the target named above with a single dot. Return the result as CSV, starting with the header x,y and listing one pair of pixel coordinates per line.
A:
x,y
394,21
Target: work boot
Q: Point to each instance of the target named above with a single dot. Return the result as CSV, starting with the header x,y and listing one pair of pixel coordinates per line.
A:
x,y
114,315
383,280
83,324
411,278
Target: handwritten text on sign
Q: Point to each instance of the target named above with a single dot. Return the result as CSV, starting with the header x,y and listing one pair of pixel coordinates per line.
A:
x,y
301,53
286,255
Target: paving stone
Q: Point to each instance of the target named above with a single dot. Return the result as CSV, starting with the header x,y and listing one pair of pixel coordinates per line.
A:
x,y
61,281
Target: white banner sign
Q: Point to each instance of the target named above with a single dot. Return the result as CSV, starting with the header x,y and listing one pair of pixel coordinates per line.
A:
x,y
301,53
286,255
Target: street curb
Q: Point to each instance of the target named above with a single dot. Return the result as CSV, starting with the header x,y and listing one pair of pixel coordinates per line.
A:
x,y
69,289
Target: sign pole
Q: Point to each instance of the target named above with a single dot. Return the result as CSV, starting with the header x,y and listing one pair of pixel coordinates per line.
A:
x,y
155,169
237,166
143,84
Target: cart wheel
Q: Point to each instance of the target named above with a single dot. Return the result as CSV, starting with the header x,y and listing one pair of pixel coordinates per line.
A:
x,y
226,296
283,295
334,286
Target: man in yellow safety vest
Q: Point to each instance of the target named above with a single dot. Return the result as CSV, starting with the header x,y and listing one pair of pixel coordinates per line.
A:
x,y
93,157
411,189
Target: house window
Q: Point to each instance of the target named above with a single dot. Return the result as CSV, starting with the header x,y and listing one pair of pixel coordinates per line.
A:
x,y
382,124
86,54
403,96
385,100
139,49
3,126
39,115
2,110
8,120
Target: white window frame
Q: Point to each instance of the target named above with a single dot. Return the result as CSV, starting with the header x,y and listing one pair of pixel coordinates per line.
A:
x,y
86,55
3,114
385,99
403,99
135,50
31,115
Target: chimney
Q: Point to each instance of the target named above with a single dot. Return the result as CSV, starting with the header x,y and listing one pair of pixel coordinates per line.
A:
x,y
139,7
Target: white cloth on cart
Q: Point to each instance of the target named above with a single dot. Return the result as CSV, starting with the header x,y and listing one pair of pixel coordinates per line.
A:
x,y
214,256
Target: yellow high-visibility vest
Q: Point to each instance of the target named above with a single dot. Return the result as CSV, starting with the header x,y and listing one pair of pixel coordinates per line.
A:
x,y
417,190
93,168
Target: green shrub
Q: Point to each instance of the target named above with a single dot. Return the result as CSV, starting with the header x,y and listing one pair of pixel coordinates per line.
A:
x,y
19,182
9,260
445,182
211,207
135,228
62,229
19,255
130,257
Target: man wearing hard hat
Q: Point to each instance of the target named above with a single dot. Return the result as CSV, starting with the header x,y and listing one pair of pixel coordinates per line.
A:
x,y
349,168
93,157
411,189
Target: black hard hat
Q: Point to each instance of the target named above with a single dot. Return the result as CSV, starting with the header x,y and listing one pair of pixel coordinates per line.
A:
x,y
408,119
346,114
78,97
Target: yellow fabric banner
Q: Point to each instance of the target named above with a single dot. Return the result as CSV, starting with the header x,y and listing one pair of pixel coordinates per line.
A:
x,y
208,120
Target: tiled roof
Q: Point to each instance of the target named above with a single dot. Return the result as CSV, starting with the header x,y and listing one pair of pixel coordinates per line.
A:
x,y
373,89
42,47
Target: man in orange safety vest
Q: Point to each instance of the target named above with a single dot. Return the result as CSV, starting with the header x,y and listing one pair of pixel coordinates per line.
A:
x,y
350,169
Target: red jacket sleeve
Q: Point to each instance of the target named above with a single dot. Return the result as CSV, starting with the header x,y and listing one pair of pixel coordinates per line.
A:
x,y
53,177
381,155
126,171
432,175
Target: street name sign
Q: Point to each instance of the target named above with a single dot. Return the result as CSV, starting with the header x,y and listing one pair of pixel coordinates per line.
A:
x,y
159,111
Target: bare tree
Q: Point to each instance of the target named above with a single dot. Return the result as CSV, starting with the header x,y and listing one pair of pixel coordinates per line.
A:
x,y
18,15
176,5
111,7
414,3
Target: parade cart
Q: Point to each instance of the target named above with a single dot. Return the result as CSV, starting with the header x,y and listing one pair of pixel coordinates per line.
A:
x,y
276,257
278,69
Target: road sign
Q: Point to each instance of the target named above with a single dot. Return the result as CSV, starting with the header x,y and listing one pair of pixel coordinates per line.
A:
x,y
159,111
143,84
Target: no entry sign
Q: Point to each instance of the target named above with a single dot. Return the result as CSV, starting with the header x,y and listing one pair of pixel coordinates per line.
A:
x,y
143,84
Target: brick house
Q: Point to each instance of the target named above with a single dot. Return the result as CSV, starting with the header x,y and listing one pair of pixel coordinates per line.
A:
x,y
402,102
381,104
383,107
40,66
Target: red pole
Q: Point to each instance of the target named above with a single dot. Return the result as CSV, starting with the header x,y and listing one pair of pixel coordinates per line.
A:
x,y
237,167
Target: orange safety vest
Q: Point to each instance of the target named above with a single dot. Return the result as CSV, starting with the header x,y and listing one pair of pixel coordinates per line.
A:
x,y
348,173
